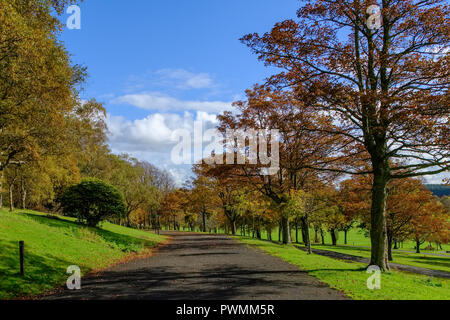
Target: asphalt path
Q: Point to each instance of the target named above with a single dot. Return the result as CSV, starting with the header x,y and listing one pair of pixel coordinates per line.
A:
x,y
202,267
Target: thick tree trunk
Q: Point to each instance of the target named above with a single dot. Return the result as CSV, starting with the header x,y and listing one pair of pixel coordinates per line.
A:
x,y
378,236
279,231
417,246
308,239
333,236
204,221
303,233
389,244
305,230
285,230
345,236
233,227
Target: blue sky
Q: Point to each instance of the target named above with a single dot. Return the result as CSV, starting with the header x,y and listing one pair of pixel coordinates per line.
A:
x,y
158,65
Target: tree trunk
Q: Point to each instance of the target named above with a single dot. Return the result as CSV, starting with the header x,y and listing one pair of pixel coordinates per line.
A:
x,y
296,230
285,230
417,246
345,236
204,221
316,235
322,236
308,239
233,227
303,227
11,198
378,236
1,189
333,236
253,227
279,232
389,244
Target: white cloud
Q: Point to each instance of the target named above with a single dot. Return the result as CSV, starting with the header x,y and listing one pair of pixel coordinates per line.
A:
x,y
151,138
170,78
437,179
180,175
184,79
151,133
155,101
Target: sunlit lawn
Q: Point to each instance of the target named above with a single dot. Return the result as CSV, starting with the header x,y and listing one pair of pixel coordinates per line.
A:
x,y
51,245
351,277
412,259
355,237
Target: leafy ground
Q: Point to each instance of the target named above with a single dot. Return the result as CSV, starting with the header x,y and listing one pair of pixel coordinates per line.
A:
x,y
53,244
351,277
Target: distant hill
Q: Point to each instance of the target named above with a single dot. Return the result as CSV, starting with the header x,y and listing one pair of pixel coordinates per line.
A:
x,y
439,190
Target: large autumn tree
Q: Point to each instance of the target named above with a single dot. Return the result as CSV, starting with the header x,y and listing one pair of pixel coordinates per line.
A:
x,y
299,147
38,84
385,87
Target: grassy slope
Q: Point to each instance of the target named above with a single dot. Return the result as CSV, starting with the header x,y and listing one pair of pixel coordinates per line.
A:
x,y
351,277
51,245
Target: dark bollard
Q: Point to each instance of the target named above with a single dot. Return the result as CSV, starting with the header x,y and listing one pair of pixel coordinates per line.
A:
x,y
21,251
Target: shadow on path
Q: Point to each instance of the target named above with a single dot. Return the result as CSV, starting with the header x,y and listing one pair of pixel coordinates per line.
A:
x,y
203,267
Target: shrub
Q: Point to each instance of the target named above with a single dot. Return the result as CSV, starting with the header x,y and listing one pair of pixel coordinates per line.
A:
x,y
92,201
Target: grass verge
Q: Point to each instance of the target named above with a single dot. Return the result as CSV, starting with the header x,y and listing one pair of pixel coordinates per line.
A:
x,y
412,259
351,277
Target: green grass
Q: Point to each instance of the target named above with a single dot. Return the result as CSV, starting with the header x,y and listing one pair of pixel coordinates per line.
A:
x,y
351,277
355,237
51,245
411,259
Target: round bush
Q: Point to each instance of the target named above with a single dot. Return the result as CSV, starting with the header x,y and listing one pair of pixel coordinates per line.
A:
x,y
92,201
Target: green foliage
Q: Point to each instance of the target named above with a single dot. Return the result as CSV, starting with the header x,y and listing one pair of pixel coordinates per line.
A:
x,y
92,201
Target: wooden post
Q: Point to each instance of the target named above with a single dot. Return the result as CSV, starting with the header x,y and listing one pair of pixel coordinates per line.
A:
x,y
21,251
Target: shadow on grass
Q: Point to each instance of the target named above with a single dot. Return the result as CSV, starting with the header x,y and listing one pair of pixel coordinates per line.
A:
x,y
124,242
41,272
444,262
339,269
413,257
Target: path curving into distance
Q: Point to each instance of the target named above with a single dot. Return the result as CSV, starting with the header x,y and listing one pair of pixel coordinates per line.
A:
x,y
203,267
